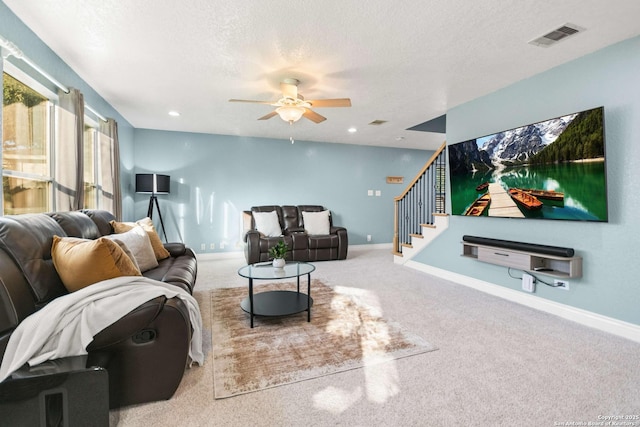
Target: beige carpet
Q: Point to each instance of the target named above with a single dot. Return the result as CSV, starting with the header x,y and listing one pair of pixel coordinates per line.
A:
x,y
346,332
498,363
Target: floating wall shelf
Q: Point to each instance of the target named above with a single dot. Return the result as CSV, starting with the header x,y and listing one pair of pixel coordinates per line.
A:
x,y
556,266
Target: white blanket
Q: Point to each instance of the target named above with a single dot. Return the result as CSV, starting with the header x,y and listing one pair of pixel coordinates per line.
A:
x,y
66,325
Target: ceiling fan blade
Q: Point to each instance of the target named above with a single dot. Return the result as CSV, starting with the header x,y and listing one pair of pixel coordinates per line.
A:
x,y
338,102
251,101
313,116
268,116
289,90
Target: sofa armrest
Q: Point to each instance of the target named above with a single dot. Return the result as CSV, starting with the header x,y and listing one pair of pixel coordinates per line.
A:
x,y
337,230
147,365
291,230
251,235
252,247
130,324
343,241
175,249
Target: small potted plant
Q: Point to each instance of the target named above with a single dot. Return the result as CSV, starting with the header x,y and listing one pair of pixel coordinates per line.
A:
x,y
278,252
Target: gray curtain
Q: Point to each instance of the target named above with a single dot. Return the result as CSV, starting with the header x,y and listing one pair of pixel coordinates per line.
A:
x,y
69,160
110,196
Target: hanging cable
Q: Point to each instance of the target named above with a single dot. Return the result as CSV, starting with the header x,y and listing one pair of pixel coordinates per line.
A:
x,y
534,276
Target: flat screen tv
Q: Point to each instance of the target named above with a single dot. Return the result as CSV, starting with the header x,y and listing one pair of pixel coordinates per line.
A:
x,y
554,169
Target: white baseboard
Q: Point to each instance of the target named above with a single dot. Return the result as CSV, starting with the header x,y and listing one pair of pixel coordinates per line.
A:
x,y
220,255
370,246
607,324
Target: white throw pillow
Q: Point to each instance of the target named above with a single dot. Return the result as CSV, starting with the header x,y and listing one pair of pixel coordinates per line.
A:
x,y
137,240
316,222
267,223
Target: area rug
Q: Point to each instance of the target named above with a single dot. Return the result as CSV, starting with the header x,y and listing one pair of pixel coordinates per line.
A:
x,y
347,331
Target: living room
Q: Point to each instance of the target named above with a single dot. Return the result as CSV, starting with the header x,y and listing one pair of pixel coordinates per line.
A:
x,y
216,177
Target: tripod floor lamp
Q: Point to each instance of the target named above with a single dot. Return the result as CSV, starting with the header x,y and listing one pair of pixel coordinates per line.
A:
x,y
152,183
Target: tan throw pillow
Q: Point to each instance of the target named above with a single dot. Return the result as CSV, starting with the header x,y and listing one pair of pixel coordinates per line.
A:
x,y
316,222
147,225
81,262
138,242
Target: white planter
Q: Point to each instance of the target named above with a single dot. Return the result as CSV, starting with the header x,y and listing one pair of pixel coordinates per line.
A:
x,y
279,262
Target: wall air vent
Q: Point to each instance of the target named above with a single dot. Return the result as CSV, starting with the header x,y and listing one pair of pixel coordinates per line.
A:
x,y
556,35
378,122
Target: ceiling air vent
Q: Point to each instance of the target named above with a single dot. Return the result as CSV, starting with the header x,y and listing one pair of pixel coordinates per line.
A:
x,y
556,35
378,122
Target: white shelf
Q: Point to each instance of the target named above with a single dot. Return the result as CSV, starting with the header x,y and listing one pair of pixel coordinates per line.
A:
x,y
550,265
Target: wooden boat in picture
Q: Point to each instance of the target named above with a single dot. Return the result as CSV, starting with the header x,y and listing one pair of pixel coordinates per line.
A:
x,y
479,206
482,186
545,194
525,199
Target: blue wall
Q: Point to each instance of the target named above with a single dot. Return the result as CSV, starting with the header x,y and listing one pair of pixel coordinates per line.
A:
x,y
14,30
611,266
215,177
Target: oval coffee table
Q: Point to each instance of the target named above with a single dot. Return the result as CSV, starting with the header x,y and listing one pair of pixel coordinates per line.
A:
x,y
277,303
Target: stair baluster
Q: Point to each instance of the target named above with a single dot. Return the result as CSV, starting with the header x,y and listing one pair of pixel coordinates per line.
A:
x,y
424,196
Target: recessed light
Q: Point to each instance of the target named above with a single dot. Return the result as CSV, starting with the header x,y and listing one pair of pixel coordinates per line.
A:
x,y
352,130
399,138
174,113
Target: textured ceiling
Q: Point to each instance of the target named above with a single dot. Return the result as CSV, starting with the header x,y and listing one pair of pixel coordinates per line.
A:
x,y
403,62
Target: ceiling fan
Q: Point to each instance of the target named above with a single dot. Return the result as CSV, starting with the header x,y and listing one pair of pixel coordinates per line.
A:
x,y
292,106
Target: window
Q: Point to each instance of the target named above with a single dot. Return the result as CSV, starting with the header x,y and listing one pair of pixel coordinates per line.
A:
x,y
48,162
98,178
26,147
90,143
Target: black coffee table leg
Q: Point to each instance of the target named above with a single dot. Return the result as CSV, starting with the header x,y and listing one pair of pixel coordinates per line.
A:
x,y
308,296
251,300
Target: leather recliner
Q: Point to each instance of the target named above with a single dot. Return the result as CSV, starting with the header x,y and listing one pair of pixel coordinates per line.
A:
x,y
146,351
303,246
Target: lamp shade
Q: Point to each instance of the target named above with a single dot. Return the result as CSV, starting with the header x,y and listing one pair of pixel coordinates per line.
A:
x,y
153,183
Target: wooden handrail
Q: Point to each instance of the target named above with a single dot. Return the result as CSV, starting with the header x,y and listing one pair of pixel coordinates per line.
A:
x,y
422,171
397,250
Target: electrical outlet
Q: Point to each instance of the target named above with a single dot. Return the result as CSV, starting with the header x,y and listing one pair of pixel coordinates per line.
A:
x,y
562,284
368,237
203,247
212,246
528,283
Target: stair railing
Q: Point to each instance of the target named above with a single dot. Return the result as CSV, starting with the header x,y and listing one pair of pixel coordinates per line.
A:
x,y
423,197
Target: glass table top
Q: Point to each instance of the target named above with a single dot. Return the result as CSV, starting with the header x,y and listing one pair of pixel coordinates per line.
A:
x,y
265,270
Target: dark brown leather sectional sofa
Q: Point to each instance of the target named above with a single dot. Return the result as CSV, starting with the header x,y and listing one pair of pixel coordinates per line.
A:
x,y
146,351
303,246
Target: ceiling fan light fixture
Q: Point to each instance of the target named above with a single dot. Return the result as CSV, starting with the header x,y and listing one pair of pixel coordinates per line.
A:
x,y
290,113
